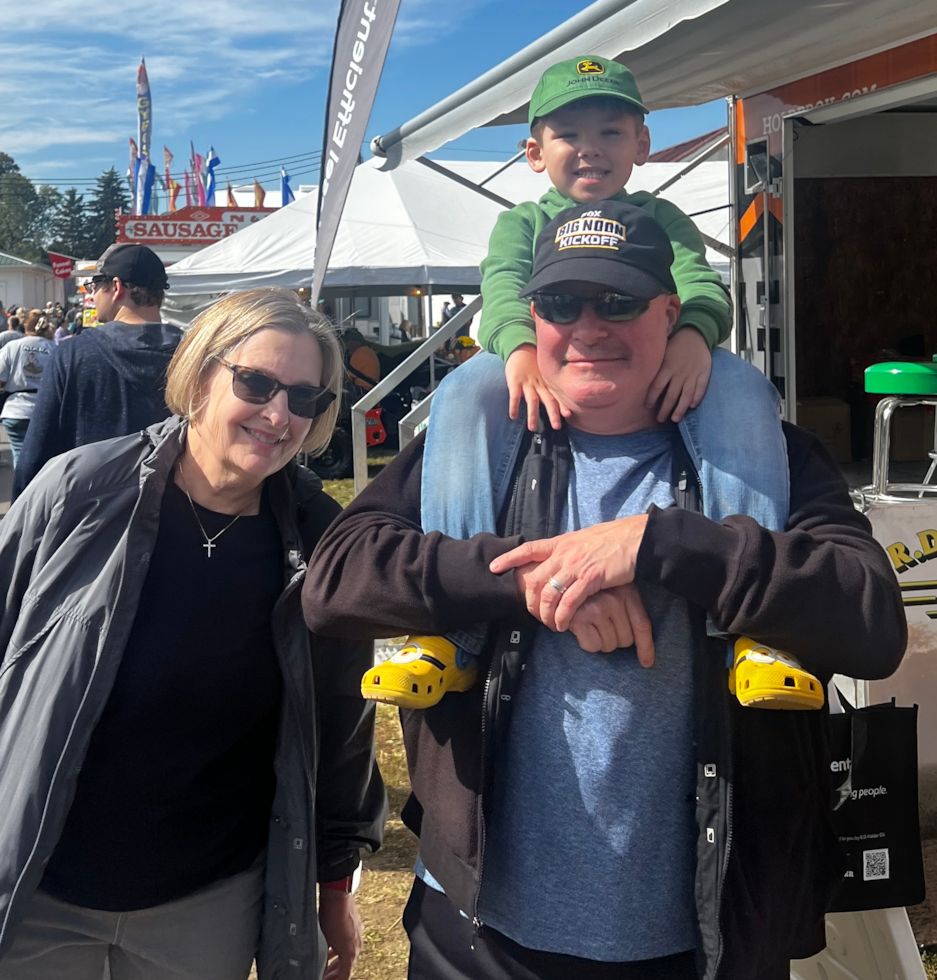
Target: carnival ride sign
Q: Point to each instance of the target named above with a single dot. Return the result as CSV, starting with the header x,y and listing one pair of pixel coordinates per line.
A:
x,y
188,226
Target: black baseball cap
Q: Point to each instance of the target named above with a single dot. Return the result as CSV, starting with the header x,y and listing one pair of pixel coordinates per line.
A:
x,y
608,243
135,264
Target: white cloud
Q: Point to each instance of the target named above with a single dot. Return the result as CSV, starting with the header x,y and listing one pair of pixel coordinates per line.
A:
x,y
204,60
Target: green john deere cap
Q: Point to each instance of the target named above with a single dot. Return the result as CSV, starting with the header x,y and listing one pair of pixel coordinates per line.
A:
x,y
581,78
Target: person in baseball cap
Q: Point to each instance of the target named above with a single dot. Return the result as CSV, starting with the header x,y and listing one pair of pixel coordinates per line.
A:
x,y
132,263
108,381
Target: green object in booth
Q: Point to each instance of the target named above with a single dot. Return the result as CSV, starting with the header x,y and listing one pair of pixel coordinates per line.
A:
x,y
902,378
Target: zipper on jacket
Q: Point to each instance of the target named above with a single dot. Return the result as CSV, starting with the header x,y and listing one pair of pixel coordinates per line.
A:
x,y
477,923
723,873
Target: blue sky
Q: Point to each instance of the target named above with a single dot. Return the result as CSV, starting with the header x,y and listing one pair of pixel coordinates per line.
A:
x,y
248,78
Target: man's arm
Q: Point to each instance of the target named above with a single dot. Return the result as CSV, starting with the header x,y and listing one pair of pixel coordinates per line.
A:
x,y
375,573
44,437
824,589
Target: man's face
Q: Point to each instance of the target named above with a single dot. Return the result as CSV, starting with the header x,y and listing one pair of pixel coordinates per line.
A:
x,y
601,369
104,300
589,151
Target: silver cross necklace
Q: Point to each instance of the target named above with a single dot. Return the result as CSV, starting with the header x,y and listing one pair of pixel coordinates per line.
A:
x,y
209,541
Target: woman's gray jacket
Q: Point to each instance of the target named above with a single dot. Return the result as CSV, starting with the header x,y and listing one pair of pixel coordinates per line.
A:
x,y
74,553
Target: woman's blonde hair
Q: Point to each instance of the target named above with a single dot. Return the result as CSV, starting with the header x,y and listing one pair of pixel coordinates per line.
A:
x,y
224,326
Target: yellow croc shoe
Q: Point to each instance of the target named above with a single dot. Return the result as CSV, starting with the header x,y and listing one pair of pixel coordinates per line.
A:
x,y
763,677
419,674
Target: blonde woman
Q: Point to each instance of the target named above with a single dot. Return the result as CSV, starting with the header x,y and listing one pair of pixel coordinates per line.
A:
x,y
180,761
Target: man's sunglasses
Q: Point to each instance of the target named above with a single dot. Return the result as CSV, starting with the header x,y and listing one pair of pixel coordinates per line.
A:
x,y
250,385
563,308
94,284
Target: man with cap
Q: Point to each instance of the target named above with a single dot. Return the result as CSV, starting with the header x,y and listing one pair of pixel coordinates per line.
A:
x,y
108,381
599,805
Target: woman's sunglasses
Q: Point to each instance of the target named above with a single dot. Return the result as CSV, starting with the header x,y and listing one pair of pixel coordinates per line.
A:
x,y
250,385
563,308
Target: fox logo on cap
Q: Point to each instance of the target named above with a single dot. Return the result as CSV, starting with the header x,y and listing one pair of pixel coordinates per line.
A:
x,y
590,68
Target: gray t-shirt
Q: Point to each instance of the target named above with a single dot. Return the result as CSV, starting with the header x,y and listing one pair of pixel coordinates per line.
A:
x,y
591,844
22,364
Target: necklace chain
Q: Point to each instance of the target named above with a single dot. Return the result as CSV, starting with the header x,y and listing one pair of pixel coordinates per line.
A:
x,y
209,541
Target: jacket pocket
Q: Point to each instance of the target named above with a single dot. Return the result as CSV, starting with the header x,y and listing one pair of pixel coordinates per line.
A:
x,y
17,651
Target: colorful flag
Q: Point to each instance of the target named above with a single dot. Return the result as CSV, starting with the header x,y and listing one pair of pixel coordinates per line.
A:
x,y
174,188
361,41
211,161
167,161
259,195
199,181
144,111
232,203
146,176
144,171
132,172
188,189
286,193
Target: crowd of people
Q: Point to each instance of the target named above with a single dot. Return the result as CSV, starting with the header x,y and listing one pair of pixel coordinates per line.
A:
x,y
601,504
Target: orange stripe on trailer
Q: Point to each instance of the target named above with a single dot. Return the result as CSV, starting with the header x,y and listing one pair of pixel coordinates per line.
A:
x,y
751,217
739,132
777,208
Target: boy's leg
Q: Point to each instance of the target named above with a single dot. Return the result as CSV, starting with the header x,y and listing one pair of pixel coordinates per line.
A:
x,y
58,941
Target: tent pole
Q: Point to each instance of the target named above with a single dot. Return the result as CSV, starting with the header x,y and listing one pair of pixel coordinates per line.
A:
x,y
501,170
694,163
465,182
429,330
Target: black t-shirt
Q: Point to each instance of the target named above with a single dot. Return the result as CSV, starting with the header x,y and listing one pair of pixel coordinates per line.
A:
x,y
176,788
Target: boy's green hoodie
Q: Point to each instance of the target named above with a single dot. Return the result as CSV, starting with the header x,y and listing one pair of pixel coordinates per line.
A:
x,y
506,321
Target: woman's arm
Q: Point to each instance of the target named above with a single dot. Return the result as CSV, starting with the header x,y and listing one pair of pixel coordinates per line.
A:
x,y
350,803
375,573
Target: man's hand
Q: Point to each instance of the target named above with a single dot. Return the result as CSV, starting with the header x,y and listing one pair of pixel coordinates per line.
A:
x,y
614,619
584,562
525,381
341,926
683,377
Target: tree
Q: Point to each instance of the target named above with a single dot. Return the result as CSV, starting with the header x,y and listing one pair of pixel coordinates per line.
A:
x,y
109,196
25,211
70,228
7,165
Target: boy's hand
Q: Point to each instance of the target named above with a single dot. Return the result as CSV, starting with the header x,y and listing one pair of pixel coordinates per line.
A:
x,y
683,378
525,381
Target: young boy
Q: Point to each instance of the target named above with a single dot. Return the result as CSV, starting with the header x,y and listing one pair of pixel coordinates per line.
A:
x,y
587,132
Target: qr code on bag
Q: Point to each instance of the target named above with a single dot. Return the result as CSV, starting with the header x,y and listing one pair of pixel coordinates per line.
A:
x,y
875,865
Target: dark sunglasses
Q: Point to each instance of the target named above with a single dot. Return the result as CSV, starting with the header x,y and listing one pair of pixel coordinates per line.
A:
x,y
94,284
250,385
563,308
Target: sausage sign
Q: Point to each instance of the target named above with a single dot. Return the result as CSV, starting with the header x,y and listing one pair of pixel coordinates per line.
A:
x,y
189,226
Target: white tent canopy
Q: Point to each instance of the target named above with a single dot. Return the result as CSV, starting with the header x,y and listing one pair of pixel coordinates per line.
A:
x,y
412,227
682,52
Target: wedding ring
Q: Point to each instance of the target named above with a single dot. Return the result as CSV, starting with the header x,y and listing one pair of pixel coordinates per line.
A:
x,y
557,585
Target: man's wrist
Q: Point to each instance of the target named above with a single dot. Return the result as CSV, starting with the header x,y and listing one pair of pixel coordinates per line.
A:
x,y
343,886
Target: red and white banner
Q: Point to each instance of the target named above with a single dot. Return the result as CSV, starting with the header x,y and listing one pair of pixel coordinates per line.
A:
x,y
62,265
188,226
